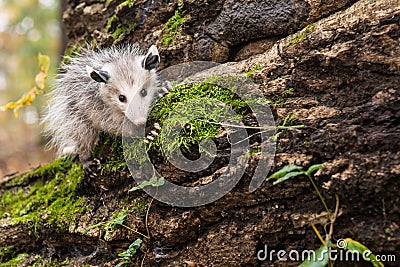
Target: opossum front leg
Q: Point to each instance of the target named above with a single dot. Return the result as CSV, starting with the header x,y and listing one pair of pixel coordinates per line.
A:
x,y
88,162
85,154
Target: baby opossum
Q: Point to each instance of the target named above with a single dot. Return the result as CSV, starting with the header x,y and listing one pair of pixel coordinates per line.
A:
x,y
92,95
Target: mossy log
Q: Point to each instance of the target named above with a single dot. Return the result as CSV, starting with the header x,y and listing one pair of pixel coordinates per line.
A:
x,y
333,67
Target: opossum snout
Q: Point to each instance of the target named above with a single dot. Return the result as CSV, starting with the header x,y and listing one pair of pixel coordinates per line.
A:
x,y
139,121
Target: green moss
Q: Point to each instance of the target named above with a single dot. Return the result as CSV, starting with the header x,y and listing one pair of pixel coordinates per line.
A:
x,y
128,3
39,261
48,170
110,22
49,198
167,40
121,30
112,147
70,52
14,261
115,23
256,67
252,152
206,101
173,25
135,150
139,208
302,35
7,252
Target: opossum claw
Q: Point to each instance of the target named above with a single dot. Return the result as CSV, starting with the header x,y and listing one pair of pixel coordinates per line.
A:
x,y
165,88
87,166
89,172
152,133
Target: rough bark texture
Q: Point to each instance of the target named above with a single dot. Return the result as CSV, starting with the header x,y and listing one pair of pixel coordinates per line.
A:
x,y
341,62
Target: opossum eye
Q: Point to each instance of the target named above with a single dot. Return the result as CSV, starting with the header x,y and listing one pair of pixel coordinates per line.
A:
x,y
143,93
122,98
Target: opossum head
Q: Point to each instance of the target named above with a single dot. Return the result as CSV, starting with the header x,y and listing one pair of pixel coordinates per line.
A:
x,y
128,84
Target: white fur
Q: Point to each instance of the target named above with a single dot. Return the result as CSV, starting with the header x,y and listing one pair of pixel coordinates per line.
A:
x,y
79,107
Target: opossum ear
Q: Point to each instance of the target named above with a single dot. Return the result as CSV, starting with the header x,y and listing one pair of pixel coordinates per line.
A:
x,y
100,76
152,59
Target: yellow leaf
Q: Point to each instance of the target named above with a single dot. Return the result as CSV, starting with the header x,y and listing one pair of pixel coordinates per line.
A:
x,y
40,80
16,109
8,106
44,63
29,97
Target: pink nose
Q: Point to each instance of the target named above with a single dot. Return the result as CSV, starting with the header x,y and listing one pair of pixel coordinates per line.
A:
x,y
139,121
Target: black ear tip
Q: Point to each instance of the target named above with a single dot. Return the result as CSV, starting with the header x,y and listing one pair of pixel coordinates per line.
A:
x,y
99,76
151,62
152,59
94,76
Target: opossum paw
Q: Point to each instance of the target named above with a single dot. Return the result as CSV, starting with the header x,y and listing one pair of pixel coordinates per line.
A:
x,y
153,133
89,166
69,150
165,88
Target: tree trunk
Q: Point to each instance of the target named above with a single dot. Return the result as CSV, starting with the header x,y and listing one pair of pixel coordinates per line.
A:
x,y
332,66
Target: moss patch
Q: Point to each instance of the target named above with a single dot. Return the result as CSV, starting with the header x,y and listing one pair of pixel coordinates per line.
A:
x,y
302,35
49,198
128,3
198,109
112,147
7,252
121,30
256,67
34,260
18,259
173,25
70,52
115,25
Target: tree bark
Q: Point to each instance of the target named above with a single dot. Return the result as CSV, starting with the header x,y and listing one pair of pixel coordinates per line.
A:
x,y
334,66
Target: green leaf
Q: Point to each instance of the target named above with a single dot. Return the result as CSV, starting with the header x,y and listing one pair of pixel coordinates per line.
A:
x,y
319,259
137,243
127,254
353,245
92,227
159,182
287,176
154,181
140,186
314,168
282,172
119,220
110,225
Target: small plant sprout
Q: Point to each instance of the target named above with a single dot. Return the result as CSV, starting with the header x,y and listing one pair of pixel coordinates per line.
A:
x,y
321,256
292,171
154,181
110,226
129,253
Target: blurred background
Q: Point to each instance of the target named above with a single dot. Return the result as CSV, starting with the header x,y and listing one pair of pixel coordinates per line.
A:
x,y
27,27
